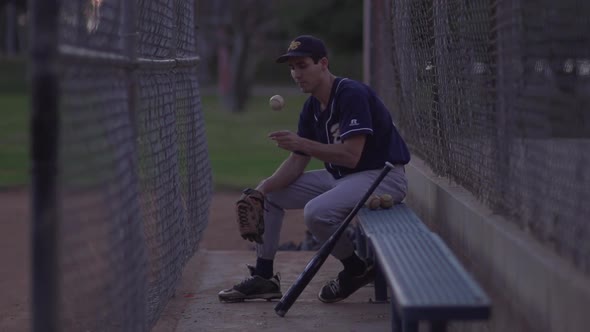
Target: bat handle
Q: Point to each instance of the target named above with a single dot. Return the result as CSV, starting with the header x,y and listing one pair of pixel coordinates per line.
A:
x,y
388,167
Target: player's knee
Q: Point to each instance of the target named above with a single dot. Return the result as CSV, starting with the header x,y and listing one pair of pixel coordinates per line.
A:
x,y
309,213
314,215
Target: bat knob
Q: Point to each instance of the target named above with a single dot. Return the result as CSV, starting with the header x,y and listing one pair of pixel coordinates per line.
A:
x,y
281,312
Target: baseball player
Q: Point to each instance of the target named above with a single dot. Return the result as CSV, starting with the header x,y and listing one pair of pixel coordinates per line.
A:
x,y
345,125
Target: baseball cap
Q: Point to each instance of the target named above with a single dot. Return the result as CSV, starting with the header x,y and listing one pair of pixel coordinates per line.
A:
x,y
305,45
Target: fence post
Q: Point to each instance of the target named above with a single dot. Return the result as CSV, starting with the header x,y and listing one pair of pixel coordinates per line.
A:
x,y
367,41
44,157
130,48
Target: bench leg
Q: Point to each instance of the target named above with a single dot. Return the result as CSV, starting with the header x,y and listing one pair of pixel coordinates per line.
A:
x,y
380,285
369,251
410,326
438,326
396,321
361,242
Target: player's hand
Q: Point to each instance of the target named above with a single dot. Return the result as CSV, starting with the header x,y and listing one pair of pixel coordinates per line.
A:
x,y
287,140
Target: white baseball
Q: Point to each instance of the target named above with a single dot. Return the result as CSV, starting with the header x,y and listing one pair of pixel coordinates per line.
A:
x,y
276,102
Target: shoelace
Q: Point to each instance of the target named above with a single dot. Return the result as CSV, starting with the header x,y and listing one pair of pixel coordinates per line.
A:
x,y
334,286
245,281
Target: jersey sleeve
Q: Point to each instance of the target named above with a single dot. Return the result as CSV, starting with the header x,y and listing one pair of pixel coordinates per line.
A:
x,y
355,116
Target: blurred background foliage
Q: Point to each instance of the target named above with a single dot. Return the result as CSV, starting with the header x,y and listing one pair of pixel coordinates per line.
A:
x,y
245,36
239,41
339,22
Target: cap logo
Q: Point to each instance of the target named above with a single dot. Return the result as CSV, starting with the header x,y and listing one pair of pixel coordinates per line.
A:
x,y
294,45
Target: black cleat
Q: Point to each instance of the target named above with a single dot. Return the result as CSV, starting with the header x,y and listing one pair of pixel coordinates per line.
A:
x,y
253,287
346,284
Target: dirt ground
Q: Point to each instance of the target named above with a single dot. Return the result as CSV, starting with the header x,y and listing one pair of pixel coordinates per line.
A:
x,y
14,261
221,234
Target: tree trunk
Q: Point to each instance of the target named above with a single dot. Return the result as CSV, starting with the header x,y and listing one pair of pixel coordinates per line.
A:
x,y
10,40
249,27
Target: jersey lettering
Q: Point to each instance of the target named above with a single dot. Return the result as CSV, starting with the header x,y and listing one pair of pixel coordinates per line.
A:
x,y
335,133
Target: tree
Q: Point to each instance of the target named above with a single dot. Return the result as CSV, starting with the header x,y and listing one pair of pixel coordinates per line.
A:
x,y
339,22
12,35
239,31
242,32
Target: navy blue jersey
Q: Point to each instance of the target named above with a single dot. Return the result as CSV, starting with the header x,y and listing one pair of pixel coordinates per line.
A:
x,y
354,109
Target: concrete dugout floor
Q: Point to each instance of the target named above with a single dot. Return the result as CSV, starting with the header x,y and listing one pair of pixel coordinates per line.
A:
x,y
196,307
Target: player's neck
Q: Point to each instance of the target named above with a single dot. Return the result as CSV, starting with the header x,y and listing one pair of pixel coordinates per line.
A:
x,y
324,90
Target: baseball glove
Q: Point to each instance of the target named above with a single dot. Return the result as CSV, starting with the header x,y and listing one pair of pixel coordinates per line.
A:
x,y
250,215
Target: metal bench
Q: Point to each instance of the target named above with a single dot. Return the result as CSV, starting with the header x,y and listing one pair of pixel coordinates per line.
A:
x,y
380,221
426,280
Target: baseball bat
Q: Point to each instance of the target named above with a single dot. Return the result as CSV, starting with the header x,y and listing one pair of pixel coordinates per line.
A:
x,y
322,254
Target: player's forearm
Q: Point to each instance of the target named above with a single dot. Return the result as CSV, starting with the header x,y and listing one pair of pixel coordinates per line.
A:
x,y
288,172
337,154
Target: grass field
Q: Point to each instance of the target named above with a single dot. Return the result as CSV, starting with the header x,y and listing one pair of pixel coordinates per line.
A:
x,y
241,154
14,140
240,151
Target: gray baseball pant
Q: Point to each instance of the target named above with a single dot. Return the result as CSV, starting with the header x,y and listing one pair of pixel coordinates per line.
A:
x,y
325,202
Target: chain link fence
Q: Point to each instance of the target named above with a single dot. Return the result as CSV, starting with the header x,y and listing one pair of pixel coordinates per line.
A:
x,y
495,96
121,174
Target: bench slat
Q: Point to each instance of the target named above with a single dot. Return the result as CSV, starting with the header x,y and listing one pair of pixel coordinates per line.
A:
x,y
427,279
398,219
